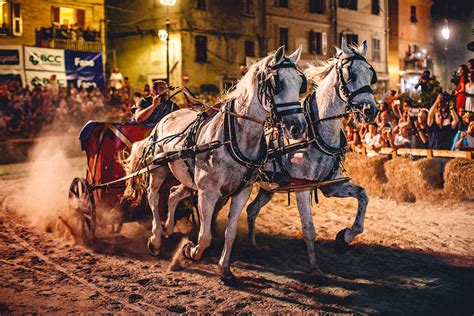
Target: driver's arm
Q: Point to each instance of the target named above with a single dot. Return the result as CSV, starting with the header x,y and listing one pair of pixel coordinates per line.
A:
x,y
142,115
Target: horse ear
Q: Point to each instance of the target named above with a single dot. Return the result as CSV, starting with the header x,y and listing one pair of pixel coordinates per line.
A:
x,y
363,49
296,55
345,48
280,53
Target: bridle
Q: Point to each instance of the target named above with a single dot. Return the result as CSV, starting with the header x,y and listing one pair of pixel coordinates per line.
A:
x,y
343,91
269,85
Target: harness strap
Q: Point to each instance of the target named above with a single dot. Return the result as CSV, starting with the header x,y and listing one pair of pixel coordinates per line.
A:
x,y
230,140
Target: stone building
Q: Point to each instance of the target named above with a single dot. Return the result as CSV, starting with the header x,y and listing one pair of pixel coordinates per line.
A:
x,y
32,23
359,20
411,42
211,41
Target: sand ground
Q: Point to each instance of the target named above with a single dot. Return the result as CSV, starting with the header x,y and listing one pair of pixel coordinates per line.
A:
x,y
413,258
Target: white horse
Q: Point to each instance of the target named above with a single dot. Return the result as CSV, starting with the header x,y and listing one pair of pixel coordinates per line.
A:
x,y
343,85
270,88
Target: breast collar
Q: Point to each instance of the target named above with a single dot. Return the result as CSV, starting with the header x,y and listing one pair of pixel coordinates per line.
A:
x,y
315,138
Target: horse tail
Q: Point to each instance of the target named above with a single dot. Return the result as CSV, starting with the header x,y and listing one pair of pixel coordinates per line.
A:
x,y
133,162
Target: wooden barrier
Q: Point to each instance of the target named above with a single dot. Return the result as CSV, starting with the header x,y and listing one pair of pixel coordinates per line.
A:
x,y
429,153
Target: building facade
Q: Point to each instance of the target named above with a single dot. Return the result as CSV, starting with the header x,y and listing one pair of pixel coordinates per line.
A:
x,y
359,20
43,23
211,41
411,42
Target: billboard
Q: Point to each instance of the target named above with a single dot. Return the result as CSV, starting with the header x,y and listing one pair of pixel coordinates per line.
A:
x,y
49,59
11,57
84,69
42,78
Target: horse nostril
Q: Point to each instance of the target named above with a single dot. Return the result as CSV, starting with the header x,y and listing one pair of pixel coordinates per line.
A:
x,y
294,130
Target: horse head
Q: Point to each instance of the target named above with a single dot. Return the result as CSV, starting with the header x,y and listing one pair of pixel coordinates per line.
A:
x,y
282,82
354,79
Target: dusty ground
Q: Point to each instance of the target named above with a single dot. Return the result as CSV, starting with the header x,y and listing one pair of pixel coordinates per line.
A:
x,y
411,259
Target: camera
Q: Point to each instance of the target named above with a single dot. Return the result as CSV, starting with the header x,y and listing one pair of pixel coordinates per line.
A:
x,y
456,76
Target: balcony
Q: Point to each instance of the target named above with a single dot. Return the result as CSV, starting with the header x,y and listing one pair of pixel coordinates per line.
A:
x,y
73,39
417,61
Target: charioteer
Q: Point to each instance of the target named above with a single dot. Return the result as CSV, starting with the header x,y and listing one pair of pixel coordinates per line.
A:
x,y
152,108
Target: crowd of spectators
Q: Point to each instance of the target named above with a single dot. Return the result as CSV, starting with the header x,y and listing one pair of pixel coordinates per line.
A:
x,y
447,123
65,32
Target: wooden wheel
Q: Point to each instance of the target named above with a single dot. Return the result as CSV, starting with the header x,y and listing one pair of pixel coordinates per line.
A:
x,y
81,202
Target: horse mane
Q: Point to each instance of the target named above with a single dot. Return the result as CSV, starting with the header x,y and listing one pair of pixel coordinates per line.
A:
x,y
244,89
320,69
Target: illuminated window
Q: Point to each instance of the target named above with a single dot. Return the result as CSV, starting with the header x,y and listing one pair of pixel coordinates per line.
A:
x,y
67,16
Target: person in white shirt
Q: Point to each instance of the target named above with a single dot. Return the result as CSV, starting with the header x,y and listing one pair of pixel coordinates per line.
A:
x,y
116,79
469,105
372,141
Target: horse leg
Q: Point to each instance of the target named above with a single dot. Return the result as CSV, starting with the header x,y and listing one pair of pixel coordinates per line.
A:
x,y
303,201
177,194
236,206
206,205
156,179
262,198
349,189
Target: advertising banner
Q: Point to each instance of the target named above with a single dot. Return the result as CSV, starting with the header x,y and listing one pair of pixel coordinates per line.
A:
x,y
49,59
8,75
84,69
11,57
42,78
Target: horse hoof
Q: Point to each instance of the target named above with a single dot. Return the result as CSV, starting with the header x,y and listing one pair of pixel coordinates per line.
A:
x,y
152,250
341,244
187,249
227,276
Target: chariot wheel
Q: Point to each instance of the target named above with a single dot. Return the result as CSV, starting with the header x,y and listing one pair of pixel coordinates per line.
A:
x,y
81,202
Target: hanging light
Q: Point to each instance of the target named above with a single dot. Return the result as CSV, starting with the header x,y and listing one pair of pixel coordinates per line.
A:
x,y
163,35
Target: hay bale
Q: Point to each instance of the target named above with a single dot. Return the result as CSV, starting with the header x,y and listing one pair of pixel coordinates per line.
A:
x,y
459,178
410,180
367,171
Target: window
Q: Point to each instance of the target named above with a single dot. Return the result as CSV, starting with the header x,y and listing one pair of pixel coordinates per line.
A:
x,y
348,4
283,36
67,16
376,49
201,4
413,18
316,6
315,42
16,20
375,7
249,49
249,7
4,23
350,38
281,3
201,48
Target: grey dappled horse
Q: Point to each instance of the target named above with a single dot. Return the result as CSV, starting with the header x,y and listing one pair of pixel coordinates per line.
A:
x,y
271,87
349,69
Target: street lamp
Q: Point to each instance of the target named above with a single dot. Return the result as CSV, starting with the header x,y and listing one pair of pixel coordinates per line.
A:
x,y
445,32
166,34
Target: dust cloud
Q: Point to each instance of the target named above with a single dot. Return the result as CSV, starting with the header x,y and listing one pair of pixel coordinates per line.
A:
x,y
44,196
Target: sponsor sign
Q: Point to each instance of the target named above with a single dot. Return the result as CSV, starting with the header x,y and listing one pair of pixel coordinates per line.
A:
x,y
11,57
7,75
84,69
42,78
37,58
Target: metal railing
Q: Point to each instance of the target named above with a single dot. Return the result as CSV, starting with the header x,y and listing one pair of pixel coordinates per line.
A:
x,y
70,44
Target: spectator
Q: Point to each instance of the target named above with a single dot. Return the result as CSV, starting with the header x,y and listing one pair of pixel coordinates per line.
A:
x,y
465,119
461,88
424,81
372,141
116,79
353,139
469,89
421,126
442,123
467,138
52,85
